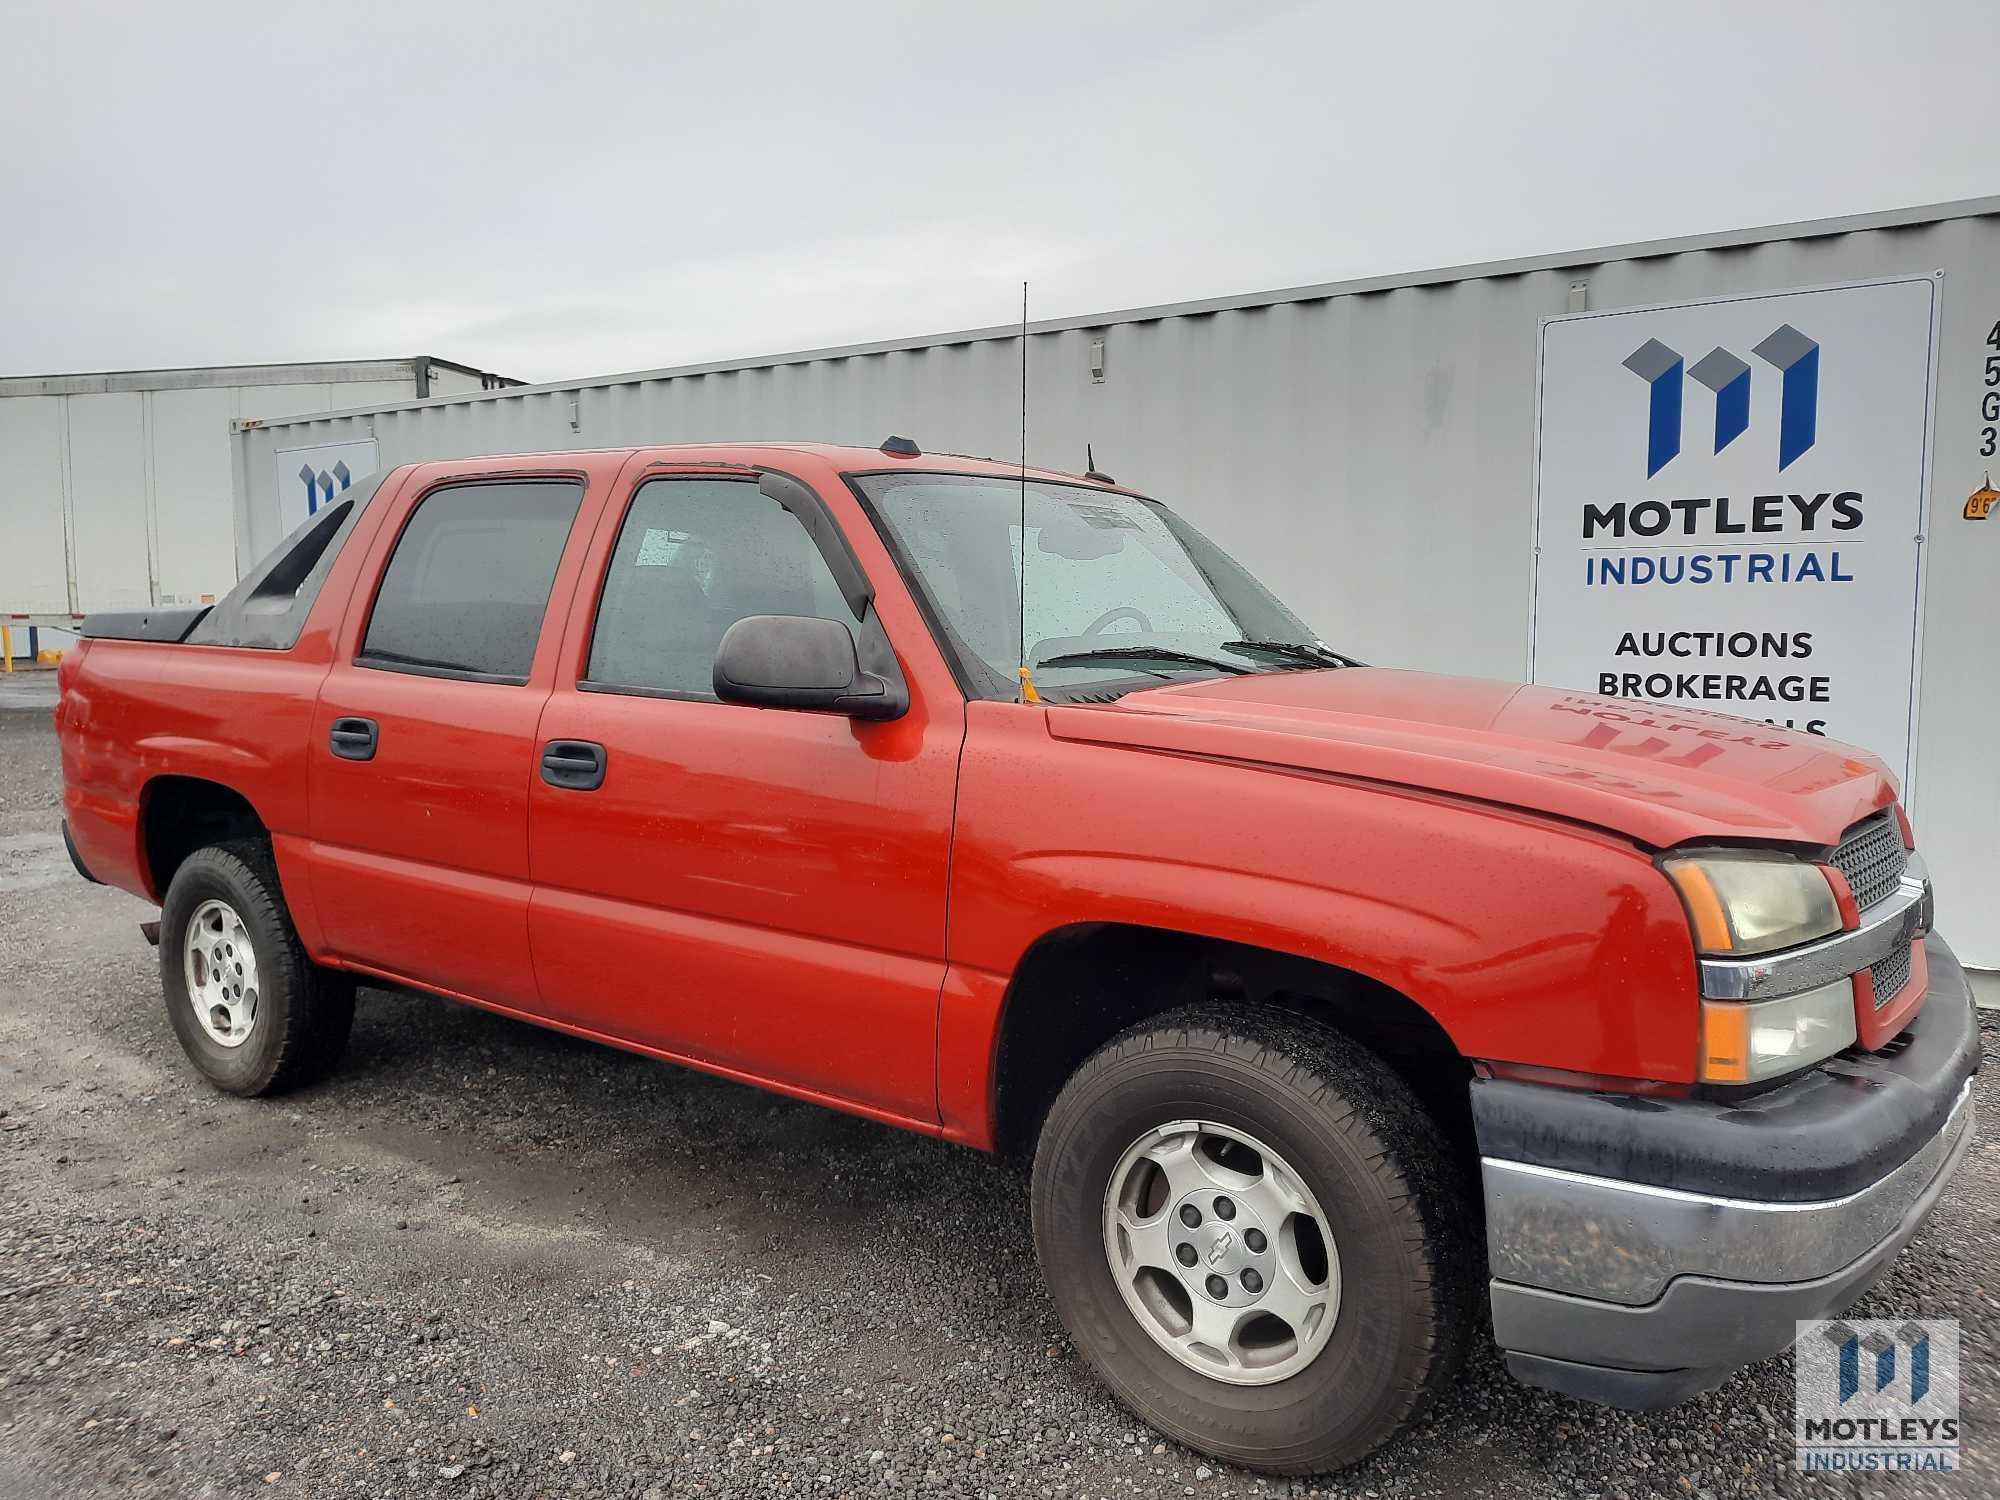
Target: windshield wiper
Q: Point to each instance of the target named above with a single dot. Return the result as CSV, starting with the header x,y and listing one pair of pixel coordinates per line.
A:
x,y
1318,656
1140,653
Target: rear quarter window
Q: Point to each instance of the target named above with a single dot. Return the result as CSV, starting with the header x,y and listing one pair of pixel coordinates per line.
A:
x,y
267,609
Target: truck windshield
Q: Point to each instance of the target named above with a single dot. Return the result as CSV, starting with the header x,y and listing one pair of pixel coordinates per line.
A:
x,y
1119,590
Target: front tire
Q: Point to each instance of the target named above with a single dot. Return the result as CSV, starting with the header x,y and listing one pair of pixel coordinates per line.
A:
x,y
1256,1236
252,1012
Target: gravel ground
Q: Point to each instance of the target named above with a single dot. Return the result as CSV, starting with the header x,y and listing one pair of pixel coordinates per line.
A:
x,y
486,1260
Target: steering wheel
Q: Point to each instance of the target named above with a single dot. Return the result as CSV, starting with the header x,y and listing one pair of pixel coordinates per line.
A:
x,y
1112,616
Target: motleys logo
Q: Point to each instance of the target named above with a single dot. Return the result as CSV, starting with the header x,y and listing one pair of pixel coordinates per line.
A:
x,y
1877,1395
1786,350
319,484
1881,1350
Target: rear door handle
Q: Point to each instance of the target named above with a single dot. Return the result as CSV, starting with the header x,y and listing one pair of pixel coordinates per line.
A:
x,y
575,764
354,739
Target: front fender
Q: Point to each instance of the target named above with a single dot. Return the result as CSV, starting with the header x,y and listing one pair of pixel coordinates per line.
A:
x,y
1526,938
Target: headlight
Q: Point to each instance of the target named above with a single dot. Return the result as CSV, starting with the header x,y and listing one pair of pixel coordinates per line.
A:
x,y
1747,1042
1741,904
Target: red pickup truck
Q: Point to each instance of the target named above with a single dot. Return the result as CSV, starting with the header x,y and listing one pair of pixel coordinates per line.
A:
x,y
1338,1009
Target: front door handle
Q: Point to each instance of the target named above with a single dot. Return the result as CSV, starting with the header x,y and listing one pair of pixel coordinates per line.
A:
x,y
575,764
353,739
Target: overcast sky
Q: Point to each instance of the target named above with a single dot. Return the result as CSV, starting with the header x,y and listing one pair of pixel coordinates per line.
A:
x,y
559,188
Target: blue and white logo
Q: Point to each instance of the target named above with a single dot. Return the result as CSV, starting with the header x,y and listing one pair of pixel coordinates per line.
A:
x,y
1881,1349
1877,1395
319,484
1791,353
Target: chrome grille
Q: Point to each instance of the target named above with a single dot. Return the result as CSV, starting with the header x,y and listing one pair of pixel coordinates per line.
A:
x,y
1872,857
1891,974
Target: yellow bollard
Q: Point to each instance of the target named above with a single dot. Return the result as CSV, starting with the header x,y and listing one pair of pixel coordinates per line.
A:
x,y
6,648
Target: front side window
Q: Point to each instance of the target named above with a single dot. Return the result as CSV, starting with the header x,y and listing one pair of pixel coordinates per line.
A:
x,y
468,584
1107,586
693,557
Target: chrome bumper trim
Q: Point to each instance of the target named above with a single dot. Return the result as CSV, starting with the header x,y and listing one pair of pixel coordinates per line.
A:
x,y
1623,1242
1900,917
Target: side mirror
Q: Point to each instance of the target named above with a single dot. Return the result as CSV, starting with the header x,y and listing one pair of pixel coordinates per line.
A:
x,y
796,661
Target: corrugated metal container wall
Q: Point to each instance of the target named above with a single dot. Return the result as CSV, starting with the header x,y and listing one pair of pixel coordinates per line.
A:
x,y
117,486
1366,448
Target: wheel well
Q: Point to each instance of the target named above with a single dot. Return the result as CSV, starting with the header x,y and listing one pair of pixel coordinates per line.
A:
x,y
1080,986
181,814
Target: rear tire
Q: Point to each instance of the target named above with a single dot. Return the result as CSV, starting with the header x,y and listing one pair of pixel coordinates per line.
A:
x,y
1338,1135
252,1012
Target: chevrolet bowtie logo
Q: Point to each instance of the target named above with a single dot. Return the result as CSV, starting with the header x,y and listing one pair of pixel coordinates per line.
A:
x,y
1787,350
1219,1250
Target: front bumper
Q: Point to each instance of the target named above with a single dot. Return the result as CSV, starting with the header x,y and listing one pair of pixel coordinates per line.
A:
x,y
1643,1249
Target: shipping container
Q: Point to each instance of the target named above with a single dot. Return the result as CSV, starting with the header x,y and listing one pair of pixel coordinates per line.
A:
x,y
117,486
1372,449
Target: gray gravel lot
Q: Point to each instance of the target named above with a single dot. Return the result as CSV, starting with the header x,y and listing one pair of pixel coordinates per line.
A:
x,y
487,1260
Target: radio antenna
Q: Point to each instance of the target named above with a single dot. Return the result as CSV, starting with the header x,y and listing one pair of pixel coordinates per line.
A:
x,y
1028,693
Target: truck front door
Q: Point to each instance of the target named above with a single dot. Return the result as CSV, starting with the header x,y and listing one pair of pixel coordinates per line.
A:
x,y
761,890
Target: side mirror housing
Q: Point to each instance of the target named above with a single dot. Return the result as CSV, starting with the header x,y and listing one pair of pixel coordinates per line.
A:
x,y
796,661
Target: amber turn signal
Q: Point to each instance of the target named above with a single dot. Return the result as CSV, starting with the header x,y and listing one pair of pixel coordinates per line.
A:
x,y
1748,1042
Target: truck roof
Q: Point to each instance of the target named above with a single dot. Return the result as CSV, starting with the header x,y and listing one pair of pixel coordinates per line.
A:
x,y
845,458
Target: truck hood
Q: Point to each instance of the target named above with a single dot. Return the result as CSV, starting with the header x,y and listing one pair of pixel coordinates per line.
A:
x,y
1657,774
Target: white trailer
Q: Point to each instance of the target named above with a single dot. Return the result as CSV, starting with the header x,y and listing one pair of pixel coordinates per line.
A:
x,y
115,488
1374,450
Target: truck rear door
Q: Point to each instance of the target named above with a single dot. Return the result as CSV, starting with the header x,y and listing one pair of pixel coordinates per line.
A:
x,y
423,743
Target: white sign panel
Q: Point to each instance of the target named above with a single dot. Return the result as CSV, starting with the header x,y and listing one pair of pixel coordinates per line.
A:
x,y
1728,501
308,479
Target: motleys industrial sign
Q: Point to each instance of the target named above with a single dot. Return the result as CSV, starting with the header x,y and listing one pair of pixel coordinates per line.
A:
x,y
1729,501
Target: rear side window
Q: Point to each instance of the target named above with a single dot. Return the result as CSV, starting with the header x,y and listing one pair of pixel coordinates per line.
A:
x,y
267,610
468,584
693,558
